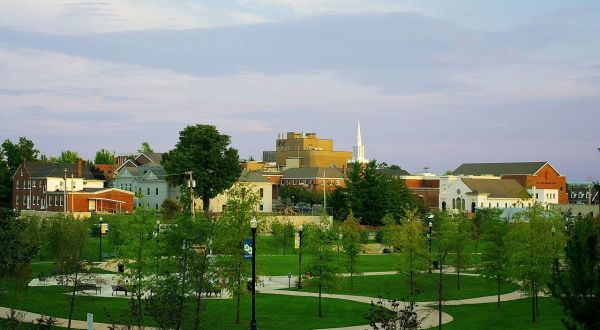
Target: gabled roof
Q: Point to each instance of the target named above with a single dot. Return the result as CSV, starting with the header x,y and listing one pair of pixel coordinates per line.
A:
x,y
500,188
57,170
312,173
392,172
141,171
155,157
498,169
252,176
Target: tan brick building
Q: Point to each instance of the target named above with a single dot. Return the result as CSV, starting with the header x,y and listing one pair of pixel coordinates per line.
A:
x,y
309,151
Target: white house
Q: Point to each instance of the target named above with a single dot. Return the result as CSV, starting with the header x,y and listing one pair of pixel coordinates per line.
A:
x,y
469,193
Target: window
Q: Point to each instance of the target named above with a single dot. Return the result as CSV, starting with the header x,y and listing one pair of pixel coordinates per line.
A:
x,y
261,207
261,193
490,205
156,191
156,207
17,184
148,192
34,183
505,205
453,203
536,196
497,204
61,201
17,199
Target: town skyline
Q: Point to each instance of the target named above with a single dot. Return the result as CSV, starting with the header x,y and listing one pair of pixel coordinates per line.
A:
x,y
433,85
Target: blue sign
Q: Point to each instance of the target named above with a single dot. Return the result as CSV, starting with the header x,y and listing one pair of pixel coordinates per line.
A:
x,y
248,249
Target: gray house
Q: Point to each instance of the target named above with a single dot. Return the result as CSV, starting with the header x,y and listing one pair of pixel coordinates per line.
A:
x,y
149,184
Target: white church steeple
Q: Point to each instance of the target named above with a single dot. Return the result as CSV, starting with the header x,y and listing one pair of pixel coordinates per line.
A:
x,y
358,151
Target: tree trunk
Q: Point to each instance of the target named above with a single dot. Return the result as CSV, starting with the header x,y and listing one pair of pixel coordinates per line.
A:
x,y
532,300
320,288
458,272
412,293
75,283
440,285
182,293
239,293
498,288
205,204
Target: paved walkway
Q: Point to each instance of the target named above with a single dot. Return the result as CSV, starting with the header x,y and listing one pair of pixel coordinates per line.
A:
x,y
276,285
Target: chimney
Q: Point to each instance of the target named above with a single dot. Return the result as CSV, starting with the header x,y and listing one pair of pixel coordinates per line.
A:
x,y
79,165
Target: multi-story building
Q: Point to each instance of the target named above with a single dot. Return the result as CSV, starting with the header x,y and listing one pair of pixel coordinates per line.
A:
x,y
257,182
148,183
309,151
541,179
467,194
41,186
314,178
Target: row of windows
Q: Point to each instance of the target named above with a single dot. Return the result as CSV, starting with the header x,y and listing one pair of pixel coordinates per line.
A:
x,y
129,187
310,181
36,200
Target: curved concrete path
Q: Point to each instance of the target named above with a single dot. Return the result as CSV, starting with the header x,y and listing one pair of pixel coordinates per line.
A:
x,y
277,285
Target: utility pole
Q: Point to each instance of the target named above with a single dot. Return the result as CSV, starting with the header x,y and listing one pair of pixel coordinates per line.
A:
x,y
65,194
324,195
72,195
589,181
191,184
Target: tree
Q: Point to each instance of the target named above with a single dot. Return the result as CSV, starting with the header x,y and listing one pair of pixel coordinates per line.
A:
x,y
145,148
413,247
296,194
441,226
169,208
578,288
206,152
387,315
16,153
68,157
351,242
532,250
282,232
5,184
495,248
372,195
233,227
324,265
104,156
459,239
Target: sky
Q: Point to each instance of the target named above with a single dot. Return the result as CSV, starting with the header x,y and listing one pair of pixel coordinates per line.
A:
x,y
433,83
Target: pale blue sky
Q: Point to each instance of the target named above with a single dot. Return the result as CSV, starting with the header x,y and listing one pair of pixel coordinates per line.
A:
x,y
434,83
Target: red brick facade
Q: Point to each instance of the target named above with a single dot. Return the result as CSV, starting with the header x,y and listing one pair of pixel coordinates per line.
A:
x,y
110,200
545,178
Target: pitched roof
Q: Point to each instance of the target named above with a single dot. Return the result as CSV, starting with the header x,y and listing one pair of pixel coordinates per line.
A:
x,y
57,170
155,157
312,172
392,172
252,176
496,188
498,169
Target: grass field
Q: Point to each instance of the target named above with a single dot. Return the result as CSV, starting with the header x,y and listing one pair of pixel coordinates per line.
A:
x,y
397,287
282,265
512,315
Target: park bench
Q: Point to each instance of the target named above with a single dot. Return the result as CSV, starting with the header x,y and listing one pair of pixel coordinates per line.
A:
x,y
89,286
117,288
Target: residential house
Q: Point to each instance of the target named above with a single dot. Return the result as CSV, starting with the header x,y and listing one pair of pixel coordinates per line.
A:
x,y
149,184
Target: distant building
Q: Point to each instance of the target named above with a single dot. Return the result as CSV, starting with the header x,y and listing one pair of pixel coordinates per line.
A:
x,y
358,151
149,184
582,193
426,186
54,187
257,182
306,150
314,178
466,194
541,179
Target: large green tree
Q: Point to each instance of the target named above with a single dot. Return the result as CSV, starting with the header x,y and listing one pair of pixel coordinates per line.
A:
x,y
578,287
351,242
105,157
324,264
15,153
494,246
206,152
68,157
533,252
372,195
283,232
413,247
233,227
145,148
459,236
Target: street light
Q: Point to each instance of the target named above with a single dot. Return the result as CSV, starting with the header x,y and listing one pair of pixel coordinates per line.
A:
x,y
253,225
100,231
429,236
300,257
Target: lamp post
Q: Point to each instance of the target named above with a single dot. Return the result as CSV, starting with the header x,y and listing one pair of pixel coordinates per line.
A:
x,y
253,225
429,236
157,231
300,257
100,232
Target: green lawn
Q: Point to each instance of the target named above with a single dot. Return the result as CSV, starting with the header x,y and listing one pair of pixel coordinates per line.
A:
x,y
512,315
282,265
296,312
397,287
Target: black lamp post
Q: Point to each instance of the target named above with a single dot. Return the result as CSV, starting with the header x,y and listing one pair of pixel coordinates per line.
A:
x,y
253,225
100,232
300,257
429,236
157,231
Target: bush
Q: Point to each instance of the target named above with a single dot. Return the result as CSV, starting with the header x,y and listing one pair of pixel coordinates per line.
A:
x,y
169,207
379,236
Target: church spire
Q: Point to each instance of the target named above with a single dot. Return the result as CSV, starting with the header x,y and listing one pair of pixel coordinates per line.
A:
x,y
358,152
